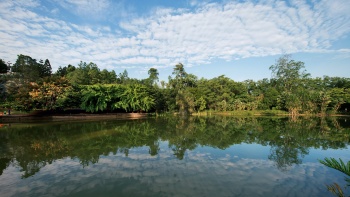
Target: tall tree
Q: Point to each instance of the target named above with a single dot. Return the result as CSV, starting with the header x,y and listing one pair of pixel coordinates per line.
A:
x,y
123,77
27,67
153,76
291,78
288,72
46,69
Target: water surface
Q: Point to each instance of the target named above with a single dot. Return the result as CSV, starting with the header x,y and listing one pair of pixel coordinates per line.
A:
x,y
212,156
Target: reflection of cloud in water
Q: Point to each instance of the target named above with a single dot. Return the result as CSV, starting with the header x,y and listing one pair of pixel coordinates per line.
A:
x,y
196,175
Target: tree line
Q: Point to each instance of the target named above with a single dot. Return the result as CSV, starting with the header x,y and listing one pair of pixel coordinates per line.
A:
x,y
29,84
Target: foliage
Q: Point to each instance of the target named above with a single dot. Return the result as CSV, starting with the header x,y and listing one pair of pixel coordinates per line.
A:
x,y
110,97
135,98
3,66
100,97
31,86
33,146
46,95
340,166
30,69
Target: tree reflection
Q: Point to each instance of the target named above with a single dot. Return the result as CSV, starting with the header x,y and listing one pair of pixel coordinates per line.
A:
x,y
32,146
154,148
4,163
285,156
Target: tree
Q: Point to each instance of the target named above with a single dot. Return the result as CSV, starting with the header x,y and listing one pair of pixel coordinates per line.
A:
x,y
45,69
46,95
27,67
288,73
3,66
108,77
185,102
85,74
180,86
291,83
123,77
153,76
179,77
63,71
201,104
30,69
339,96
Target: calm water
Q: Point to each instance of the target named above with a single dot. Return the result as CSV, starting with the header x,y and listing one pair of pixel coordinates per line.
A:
x,y
217,156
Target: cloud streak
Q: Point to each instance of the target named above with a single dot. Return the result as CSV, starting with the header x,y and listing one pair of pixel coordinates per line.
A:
x,y
194,36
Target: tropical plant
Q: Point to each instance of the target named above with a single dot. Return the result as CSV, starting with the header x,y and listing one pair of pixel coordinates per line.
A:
x,y
340,166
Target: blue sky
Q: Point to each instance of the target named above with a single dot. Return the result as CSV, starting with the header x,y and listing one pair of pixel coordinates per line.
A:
x,y
239,39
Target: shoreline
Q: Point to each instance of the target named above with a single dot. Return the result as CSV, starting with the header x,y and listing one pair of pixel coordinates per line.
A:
x,y
64,117
128,116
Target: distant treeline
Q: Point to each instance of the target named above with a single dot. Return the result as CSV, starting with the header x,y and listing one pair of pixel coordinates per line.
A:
x,y
29,84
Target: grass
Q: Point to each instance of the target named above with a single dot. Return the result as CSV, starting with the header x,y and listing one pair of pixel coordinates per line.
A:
x,y
244,113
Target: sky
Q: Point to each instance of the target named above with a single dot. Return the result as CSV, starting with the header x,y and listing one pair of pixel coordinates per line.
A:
x,y
239,39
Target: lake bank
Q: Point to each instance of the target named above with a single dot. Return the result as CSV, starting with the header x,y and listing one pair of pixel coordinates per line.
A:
x,y
81,115
64,117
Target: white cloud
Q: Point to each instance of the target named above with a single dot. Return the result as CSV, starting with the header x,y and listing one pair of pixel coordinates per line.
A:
x,y
209,31
92,8
197,175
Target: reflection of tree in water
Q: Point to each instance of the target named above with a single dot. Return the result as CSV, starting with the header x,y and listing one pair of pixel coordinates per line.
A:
x,y
181,146
290,140
31,168
183,138
4,163
154,148
285,156
34,146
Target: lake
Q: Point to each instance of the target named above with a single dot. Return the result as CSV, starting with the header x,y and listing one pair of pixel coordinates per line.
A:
x,y
173,156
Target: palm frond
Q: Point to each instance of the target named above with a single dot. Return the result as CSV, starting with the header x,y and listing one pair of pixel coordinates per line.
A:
x,y
338,165
336,190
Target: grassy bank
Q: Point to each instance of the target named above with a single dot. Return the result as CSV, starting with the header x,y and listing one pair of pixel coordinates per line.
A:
x,y
244,113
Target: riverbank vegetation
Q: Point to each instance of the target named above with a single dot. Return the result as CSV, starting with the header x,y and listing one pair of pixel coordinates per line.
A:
x,y
29,85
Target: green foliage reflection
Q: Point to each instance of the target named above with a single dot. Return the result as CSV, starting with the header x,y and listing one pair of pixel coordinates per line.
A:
x,y
33,146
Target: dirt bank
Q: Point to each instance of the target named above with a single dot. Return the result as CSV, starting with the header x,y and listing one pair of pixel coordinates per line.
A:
x,y
70,116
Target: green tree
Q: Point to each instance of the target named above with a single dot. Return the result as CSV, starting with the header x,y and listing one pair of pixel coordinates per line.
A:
x,y
288,73
84,74
201,104
27,67
123,77
63,71
291,81
108,77
30,69
339,96
3,66
180,86
45,69
153,76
